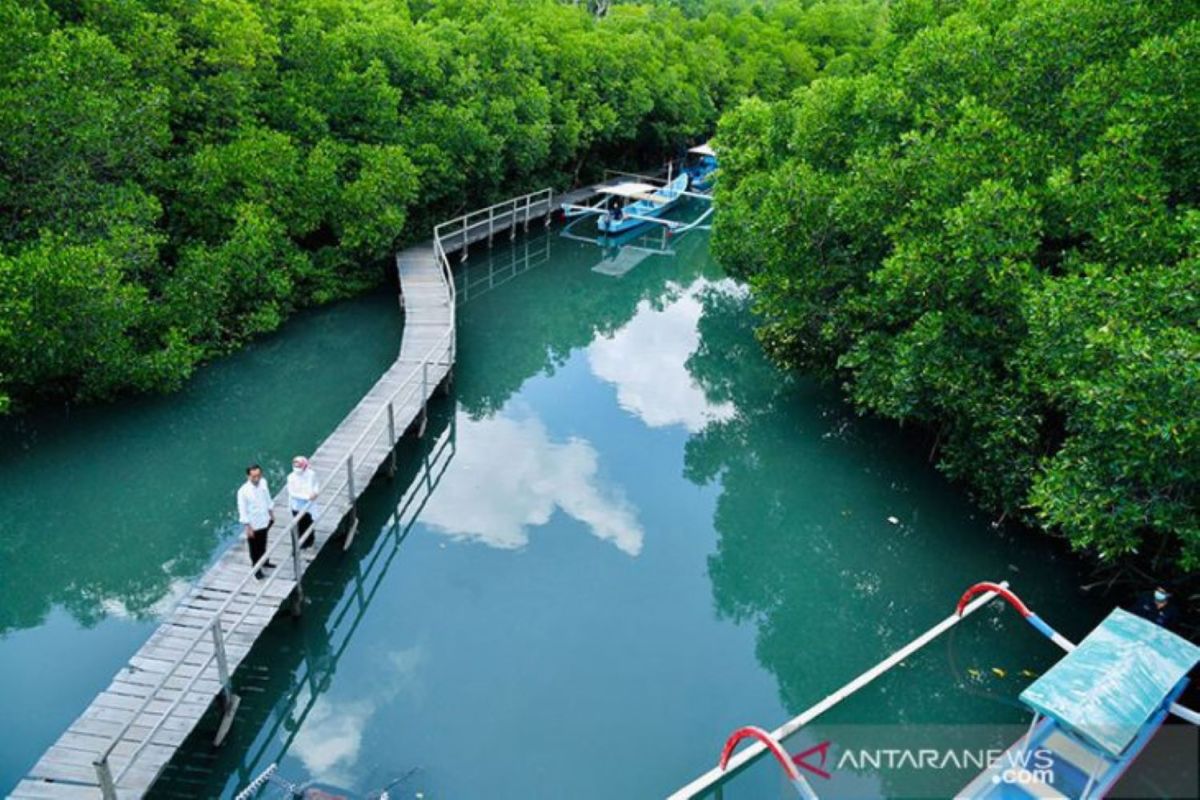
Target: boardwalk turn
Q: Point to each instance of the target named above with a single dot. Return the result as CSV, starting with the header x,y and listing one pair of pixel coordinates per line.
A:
x,y
120,743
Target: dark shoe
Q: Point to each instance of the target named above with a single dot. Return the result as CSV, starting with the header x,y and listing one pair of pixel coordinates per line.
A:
x,y
259,575
269,565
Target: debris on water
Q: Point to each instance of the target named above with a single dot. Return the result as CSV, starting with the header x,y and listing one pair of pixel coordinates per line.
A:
x,y
1028,673
974,673
894,520
999,673
1013,568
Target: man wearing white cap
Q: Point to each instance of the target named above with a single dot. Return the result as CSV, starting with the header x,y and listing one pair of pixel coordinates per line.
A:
x,y
302,489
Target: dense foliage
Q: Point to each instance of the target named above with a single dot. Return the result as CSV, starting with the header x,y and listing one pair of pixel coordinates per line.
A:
x,y
994,233
178,175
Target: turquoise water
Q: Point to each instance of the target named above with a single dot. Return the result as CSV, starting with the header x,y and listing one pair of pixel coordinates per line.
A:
x,y
624,535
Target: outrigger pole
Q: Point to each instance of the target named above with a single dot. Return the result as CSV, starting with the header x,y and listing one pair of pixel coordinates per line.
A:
x,y
1002,590
729,766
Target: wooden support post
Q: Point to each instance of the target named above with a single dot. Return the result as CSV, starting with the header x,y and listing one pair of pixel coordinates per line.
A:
x,y
228,700
298,594
391,440
353,508
424,399
108,789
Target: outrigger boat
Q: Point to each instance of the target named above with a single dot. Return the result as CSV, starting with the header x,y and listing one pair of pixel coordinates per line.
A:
x,y
628,205
1093,712
701,167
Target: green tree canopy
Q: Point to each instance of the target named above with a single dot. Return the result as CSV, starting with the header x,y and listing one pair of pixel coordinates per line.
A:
x,y
179,175
992,233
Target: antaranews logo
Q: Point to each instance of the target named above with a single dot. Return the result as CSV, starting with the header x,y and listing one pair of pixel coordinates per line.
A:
x,y
822,749
848,762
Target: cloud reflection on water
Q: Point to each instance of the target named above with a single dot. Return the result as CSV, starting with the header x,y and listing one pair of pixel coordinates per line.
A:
x,y
330,742
647,361
509,476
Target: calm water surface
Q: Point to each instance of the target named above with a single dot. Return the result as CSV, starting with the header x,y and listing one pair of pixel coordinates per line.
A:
x,y
624,535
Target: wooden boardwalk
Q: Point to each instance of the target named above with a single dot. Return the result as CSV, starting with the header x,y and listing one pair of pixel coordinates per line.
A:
x,y
119,745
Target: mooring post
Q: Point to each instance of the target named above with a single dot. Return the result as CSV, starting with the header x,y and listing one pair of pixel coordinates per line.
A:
x,y
353,508
229,700
108,789
392,439
298,595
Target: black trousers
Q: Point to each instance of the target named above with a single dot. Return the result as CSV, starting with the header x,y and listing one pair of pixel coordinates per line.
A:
x,y
302,526
258,544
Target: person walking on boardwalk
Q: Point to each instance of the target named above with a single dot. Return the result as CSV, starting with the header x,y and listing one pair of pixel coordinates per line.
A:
x,y
302,486
255,514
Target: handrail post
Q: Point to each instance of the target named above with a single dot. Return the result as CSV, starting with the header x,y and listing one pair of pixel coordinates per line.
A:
x,y
491,223
549,205
108,789
528,208
464,239
512,218
353,508
391,439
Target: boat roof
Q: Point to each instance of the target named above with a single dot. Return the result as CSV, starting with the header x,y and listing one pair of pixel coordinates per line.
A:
x,y
1118,678
636,191
703,150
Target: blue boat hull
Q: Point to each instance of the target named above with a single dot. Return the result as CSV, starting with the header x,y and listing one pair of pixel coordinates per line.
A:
x,y
669,195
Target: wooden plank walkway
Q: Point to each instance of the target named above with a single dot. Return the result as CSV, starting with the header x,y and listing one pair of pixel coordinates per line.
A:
x,y
157,699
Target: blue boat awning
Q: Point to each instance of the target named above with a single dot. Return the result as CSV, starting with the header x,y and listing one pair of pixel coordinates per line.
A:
x,y
1109,687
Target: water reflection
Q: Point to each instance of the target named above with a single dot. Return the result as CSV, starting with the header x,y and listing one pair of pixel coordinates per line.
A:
x,y
839,544
330,742
509,477
774,572
646,360
534,325
108,509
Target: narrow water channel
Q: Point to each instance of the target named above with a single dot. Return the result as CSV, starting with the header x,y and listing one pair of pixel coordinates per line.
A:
x,y
624,534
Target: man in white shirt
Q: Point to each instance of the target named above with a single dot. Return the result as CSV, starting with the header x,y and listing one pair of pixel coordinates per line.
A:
x,y
303,486
254,512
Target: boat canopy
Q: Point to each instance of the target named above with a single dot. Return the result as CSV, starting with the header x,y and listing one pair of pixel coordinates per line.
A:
x,y
1114,682
703,150
634,191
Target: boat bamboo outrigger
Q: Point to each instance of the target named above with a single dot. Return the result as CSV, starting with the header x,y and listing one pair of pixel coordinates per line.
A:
x,y
628,205
1093,712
